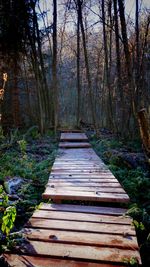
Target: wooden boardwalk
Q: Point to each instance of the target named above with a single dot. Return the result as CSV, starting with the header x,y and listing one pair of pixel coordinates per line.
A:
x,y
79,174
67,235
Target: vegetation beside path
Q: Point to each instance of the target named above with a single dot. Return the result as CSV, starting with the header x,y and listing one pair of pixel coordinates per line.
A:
x,y
126,160
25,164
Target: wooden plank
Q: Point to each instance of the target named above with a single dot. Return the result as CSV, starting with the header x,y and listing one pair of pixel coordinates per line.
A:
x,y
34,261
85,196
81,183
84,209
87,189
74,145
77,154
80,167
87,239
70,130
81,227
73,137
77,171
61,171
61,215
69,251
76,163
83,176
82,179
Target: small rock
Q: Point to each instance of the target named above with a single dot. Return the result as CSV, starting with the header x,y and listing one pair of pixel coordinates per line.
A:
x,y
13,184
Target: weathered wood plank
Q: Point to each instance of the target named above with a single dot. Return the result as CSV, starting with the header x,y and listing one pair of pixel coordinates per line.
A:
x,y
77,163
71,182
84,175
84,209
87,189
86,196
61,215
77,171
34,261
81,227
70,251
78,154
74,145
87,239
81,176
83,181
62,130
80,167
73,137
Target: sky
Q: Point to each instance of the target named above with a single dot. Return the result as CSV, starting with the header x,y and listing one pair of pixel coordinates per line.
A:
x,y
129,8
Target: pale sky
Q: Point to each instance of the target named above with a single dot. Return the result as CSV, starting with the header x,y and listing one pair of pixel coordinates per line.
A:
x,y
129,8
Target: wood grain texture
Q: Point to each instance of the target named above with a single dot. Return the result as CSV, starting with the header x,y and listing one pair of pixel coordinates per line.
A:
x,y
34,261
86,196
74,216
81,227
84,209
86,239
78,252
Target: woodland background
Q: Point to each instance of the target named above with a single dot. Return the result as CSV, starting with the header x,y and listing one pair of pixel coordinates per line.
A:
x,y
75,62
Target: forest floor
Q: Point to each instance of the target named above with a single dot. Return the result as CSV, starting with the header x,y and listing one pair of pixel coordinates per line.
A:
x,y
25,164
127,161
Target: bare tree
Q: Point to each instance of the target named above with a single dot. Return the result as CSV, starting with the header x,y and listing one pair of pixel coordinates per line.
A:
x,y
88,75
54,65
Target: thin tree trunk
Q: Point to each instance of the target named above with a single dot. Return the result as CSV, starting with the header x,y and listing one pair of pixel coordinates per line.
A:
x,y
15,97
88,75
127,53
120,102
107,71
137,53
78,69
43,75
54,65
35,65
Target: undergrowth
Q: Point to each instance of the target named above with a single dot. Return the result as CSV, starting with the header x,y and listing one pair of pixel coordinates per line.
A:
x,y
27,157
134,179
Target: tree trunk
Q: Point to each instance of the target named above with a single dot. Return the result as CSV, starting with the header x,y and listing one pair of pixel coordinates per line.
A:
x,y
43,73
54,65
15,96
107,71
35,65
88,75
78,69
137,61
119,94
127,54
144,130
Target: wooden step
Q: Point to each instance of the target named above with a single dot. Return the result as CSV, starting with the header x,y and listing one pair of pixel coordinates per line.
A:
x,y
73,137
74,145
